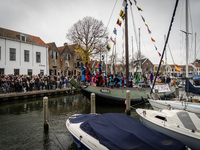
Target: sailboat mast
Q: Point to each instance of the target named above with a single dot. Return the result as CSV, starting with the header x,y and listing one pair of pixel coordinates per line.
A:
x,y
187,45
126,44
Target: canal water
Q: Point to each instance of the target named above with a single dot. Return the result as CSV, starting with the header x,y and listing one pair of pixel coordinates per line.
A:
x,y
21,122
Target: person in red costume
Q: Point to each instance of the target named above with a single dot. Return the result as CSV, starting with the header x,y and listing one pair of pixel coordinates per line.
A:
x,y
88,74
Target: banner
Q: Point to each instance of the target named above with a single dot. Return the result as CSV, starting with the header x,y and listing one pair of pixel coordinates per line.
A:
x,y
161,88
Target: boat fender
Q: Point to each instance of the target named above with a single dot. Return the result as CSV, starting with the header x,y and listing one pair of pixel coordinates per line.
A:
x,y
125,102
144,113
169,107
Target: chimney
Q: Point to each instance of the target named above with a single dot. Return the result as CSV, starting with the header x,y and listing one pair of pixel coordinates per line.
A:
x,y
65,44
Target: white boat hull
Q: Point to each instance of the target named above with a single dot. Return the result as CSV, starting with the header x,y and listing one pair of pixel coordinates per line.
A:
x,y
83,139
192,140
164,104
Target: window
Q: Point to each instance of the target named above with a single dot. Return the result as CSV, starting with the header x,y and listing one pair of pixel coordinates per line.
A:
x,y
38,59
12,54
54,62
22,38
74,72
29,72
67,56
26,55
54,55
42,72
16,71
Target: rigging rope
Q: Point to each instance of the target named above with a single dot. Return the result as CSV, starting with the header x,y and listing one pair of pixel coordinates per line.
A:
x,y
55,135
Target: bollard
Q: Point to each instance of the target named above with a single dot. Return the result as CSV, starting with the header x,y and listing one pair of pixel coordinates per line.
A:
x,y
128,103
45,109
93,103
177,91
156,94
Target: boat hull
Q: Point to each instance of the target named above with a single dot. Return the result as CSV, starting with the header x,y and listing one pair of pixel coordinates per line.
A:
x,y
192,142
117,96
162,104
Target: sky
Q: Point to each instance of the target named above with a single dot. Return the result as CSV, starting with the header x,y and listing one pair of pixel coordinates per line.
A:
x,y
51,19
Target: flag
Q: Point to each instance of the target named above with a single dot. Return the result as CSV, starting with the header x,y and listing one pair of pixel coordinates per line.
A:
x,y
115,31
122,14
177,68
149,31
97,65
146,25
152,39
108,47
126,6
155,47
130,2
162,61
119,22
143,18
112,40
139,8
135,2
159,54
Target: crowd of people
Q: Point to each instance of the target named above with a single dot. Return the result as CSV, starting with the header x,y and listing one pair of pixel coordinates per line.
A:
x,y
24,83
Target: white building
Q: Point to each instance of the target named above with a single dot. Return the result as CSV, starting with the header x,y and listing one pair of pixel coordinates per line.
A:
x,y
22,53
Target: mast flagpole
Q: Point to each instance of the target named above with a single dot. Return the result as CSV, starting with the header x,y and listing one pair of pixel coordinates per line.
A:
x,y
187,45
126,44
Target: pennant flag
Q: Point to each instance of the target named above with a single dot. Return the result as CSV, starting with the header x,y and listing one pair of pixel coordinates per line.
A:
x,y
143,18
149,31
152,39
135,2
155,47
139,8
119,22
162,61
130,2
108,47
97,65
177,68
126,6
115,31
112,40
146,25
122,14
159,54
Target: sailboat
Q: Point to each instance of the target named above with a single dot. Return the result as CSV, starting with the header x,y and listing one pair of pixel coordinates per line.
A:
x,y
117,96
180,103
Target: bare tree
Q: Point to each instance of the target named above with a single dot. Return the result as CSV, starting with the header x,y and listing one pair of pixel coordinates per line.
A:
x,y
90,36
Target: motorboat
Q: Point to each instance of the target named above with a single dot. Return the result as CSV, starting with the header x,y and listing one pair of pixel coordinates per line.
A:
x,y
116,131
179,124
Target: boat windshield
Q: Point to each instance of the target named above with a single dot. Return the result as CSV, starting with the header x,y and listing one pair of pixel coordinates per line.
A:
x,y
186,120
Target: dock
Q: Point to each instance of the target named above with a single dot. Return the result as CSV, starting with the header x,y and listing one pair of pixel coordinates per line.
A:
x,y
32,94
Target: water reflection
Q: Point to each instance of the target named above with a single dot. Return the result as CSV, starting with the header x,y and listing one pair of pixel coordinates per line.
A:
x,y
21,122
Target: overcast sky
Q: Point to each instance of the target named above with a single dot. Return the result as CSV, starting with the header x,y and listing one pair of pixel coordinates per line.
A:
x,y
51,19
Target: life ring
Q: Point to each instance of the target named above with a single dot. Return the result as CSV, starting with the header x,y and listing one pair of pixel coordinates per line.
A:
x,y
144,113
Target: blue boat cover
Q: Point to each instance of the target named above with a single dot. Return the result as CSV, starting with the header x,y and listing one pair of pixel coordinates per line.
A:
x,y
121,132
190,88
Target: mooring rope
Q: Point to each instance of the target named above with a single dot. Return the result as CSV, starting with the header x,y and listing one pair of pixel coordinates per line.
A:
x,y
137,104
55,135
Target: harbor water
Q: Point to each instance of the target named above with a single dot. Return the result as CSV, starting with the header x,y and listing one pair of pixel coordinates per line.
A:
x,y
21,122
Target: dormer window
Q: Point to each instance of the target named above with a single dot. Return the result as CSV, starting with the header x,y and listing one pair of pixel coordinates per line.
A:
x,y
22,37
